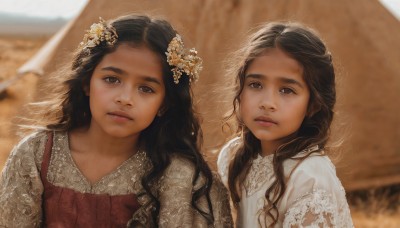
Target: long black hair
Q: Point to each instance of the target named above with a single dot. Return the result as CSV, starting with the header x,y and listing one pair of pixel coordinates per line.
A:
x,y
176,131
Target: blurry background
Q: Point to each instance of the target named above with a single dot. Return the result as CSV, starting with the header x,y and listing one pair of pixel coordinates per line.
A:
x,y
363,36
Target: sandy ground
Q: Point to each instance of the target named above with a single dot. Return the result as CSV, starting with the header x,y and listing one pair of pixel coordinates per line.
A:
x,y
15,51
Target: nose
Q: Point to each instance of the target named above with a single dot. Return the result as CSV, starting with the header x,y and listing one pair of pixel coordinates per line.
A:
x,y
125,96
268,101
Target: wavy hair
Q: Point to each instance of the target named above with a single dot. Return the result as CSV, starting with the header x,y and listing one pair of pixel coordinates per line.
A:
x,y
303,45
177,131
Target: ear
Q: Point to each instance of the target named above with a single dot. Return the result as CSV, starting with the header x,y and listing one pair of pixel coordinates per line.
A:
x,y
162,110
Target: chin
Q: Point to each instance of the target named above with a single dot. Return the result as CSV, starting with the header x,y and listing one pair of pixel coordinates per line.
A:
x,y
119,133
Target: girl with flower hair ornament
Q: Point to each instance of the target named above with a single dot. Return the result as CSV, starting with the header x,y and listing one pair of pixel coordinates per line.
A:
x,y
120,145
277,170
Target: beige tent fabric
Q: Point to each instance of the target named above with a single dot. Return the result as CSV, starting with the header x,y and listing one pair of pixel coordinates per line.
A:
x,y
362,35
39,61
43,57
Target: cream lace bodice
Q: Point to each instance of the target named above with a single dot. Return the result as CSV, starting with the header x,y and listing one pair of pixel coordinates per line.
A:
x,y
314,196
21,187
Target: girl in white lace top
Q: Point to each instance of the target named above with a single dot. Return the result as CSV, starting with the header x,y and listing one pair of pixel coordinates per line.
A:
x,y
276,170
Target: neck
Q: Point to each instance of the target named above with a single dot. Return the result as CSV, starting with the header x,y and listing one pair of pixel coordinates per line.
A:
x,y
268,148
94,140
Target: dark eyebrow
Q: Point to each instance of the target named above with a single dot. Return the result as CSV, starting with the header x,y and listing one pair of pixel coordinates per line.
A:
x,y
151,79
122,72
114,69
291,81
257,76
282,79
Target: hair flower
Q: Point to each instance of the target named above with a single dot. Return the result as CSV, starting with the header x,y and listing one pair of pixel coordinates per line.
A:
x,y
182,62
98,33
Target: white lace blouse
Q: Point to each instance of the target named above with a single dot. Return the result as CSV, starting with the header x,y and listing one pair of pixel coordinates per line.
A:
x,y
314,196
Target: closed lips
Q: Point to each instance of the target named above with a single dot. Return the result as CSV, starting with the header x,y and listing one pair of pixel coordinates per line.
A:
x,y
120,114
265,119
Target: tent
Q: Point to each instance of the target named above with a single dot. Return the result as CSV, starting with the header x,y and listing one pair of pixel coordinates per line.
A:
x,y
363,36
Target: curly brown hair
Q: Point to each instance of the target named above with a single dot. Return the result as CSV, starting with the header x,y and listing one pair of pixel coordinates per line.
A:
x,y
303,45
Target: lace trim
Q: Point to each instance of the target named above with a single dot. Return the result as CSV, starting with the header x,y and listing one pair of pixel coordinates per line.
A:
x,y
262,170
115,183
318,209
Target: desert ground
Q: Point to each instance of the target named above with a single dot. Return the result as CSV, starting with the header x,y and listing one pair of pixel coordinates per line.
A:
x,y
369,208
13,53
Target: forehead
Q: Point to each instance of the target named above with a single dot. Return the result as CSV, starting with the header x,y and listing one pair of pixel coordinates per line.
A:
x,y
135,60
274,63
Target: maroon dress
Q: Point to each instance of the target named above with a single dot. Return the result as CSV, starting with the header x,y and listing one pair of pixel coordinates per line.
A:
x,y
64,207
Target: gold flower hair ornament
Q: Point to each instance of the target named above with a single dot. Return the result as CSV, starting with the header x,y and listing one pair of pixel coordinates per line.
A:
x,y
98,33
183,62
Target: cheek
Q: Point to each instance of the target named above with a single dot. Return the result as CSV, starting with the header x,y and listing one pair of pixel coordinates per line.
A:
x,y
241,104
302,108
153,105
243,99
94,89
97,95
99,98
245,108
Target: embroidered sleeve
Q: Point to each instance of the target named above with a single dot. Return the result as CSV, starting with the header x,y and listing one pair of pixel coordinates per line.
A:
x,y
315,209
317,198
220,204
20,187
175,196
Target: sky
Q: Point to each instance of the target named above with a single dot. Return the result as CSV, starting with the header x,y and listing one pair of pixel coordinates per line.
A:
x,y
392,5
42,8
69,8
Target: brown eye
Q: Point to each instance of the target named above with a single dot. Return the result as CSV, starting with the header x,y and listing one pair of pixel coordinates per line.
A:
x,y
146,89
111,80
255,85
286,91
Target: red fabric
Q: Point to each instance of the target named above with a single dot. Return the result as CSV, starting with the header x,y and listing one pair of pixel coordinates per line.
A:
x,y
63,207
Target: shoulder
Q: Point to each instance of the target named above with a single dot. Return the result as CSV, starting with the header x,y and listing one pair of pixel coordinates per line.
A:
x,y
317,165
229,149
30,143
179,172
180,164
20,184
30,148
33,139
182,170
313,187
225,156
315,172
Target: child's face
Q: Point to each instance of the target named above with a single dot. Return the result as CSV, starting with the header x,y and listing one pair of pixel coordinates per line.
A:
x,y
126,91
275,97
